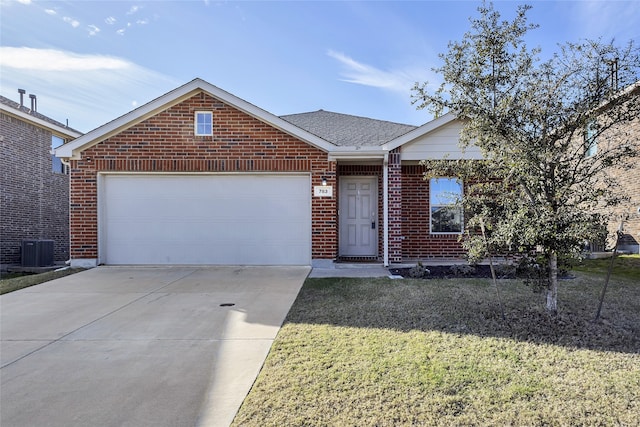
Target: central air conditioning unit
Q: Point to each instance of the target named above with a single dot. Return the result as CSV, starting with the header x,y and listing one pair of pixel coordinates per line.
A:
x,y
37,253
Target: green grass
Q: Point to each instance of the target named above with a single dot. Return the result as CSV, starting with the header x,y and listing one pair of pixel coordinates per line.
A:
x,y
409,352
13,283
627,266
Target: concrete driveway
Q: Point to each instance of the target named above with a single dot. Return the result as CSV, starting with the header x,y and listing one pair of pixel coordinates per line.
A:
x,y
140,346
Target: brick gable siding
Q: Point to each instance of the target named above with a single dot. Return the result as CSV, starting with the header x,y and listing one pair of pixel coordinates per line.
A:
x,y
33,199
166,142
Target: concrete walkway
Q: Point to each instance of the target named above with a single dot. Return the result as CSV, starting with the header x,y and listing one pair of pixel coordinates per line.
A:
x,y
331,269
326,268
146,346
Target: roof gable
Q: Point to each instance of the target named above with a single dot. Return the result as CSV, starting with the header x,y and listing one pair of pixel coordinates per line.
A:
x,y
441,143
420,131
75,148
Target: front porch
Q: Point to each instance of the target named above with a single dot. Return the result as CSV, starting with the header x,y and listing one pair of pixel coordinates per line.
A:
x,y
383,214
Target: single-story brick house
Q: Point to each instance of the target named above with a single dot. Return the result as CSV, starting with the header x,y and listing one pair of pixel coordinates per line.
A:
x,y
200,176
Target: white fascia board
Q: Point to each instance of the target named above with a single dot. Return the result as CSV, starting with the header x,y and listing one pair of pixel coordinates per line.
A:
x,y
357,153
55,129
420,131
73,149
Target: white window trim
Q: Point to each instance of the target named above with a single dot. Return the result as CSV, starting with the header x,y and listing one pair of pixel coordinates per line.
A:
x,y
445,233
195,123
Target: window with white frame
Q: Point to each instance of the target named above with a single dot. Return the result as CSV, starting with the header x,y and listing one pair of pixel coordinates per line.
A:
x,y
590,140
203,123
56,163
445,212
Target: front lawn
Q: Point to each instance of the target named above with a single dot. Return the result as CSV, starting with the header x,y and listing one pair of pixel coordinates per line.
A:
x,y
13,283
413,352
624,266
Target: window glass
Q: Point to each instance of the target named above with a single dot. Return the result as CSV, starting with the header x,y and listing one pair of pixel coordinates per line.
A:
x,y
204,123
446,217
590,141
56,164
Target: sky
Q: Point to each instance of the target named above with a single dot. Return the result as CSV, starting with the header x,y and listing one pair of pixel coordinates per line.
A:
x,y
90,62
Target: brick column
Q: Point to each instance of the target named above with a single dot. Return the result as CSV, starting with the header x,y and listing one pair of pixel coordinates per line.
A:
x,y
395,207
324,234
83,212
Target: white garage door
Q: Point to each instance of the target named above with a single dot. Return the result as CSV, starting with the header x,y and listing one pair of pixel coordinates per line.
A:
x,y
239,219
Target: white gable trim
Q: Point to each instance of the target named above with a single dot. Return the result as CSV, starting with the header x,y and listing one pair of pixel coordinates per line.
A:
x,y
55,129
74,149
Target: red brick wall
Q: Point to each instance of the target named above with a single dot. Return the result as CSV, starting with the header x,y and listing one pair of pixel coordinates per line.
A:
x,y
417,242
166,143
396,213
34,200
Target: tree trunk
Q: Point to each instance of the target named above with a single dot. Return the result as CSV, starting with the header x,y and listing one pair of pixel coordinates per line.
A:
x,y
606,281
493,270
552,291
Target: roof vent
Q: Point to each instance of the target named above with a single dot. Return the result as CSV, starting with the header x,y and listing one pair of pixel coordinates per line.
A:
x,y
34,102
22,92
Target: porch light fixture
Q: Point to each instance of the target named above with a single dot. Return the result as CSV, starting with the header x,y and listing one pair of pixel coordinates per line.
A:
x,y
324,181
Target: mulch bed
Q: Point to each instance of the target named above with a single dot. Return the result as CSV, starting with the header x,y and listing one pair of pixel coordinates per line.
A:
x,y
443,272
477,272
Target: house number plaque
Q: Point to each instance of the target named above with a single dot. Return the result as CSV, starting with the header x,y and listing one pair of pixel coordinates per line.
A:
x,y
323,191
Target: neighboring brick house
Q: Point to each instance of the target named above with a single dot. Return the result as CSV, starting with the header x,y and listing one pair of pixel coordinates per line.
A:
x,y
200,176
34,185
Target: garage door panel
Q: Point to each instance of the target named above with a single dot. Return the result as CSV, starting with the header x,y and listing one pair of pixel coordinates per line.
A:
x,y
178,231
203,254
210,219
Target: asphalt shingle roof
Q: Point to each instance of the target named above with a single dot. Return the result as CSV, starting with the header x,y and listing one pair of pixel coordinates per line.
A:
x,y
347,130
16,106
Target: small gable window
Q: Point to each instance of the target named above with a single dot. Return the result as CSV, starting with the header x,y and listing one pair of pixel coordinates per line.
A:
x,y
203,123
446,214
590,140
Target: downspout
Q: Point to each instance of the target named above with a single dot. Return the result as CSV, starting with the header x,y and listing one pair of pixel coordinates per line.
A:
x,y
385,208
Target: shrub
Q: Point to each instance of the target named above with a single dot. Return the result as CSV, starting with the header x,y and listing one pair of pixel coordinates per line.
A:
x,y
462,270
505,271
419,271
